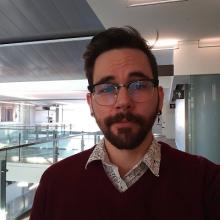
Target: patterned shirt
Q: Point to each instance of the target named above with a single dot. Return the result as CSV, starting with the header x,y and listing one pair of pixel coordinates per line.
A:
x,y
151,160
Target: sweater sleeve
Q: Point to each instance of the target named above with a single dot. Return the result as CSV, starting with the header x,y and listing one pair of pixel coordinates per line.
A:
x,y
212,194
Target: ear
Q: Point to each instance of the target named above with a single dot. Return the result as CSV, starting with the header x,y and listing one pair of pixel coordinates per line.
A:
x,y
89,101
161,98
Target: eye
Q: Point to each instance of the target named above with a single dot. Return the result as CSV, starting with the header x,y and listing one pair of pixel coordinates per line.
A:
x,y
138,85
104,89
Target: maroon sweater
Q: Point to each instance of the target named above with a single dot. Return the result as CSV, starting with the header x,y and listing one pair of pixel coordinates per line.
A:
x,y
188,189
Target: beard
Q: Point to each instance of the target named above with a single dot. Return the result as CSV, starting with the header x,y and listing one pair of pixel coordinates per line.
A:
x,y
125,137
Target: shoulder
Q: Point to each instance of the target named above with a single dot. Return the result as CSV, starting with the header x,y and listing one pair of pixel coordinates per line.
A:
x,y
195,176
189,170
178,155
180,160
69,166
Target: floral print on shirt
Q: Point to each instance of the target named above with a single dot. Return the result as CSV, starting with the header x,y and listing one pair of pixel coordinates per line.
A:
x,y
151,160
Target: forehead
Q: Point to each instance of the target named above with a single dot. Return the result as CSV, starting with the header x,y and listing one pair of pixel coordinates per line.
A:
x,y
119,63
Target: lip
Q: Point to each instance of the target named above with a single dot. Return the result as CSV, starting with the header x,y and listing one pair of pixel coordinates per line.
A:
x,y
124,124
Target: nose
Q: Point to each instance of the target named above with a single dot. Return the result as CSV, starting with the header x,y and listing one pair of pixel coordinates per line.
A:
x,y
123,101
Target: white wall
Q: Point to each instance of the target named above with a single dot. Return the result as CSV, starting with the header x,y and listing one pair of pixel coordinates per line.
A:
x,y
190,59
29,115
78,114
41,115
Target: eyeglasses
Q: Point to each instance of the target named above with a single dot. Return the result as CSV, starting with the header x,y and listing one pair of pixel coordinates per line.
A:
x,y
139,91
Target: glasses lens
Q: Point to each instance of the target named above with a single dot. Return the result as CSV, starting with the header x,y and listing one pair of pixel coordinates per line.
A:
x,y
141,91
105,94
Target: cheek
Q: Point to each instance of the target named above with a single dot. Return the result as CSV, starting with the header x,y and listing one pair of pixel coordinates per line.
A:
x,y
146,108
100,112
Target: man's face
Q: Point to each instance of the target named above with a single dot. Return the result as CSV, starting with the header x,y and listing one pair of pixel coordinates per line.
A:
x,y
126,123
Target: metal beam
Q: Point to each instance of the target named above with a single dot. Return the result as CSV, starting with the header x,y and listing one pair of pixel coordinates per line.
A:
x,y
49,38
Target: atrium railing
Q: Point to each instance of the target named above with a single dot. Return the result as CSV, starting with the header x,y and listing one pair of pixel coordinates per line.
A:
x,y
11,135
42,150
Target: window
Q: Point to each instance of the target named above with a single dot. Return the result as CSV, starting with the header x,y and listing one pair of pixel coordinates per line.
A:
x,y
7,113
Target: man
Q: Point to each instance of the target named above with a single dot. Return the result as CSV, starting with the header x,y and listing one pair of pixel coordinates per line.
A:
x,y
128,175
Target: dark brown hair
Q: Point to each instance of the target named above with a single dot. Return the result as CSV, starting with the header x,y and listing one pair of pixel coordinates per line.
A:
x,y
116,38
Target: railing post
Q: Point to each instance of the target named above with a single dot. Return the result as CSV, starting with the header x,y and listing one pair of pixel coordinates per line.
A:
x,y
6,155
19,139
19,154
55,147
36,131
19,149
3,187
82,142
25,133
56,130
70,128
64,129
95,138
47,131
98,139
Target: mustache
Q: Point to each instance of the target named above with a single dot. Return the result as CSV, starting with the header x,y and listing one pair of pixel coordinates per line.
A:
x,y
124,116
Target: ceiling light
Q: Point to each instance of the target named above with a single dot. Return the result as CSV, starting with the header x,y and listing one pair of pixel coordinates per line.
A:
x,y
134,3
164,44
58,85
209,42
28,90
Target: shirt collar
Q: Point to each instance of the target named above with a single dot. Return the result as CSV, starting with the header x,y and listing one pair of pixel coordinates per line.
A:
x,y
152,157
99,153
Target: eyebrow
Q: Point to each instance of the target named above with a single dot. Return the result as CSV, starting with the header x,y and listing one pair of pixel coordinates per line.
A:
x,y
138,74
105,80
108,79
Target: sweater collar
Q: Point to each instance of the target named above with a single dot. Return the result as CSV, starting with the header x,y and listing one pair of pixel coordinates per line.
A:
x,y
152,158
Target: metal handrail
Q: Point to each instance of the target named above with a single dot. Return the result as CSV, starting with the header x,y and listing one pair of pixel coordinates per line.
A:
x,y
49,139
25,127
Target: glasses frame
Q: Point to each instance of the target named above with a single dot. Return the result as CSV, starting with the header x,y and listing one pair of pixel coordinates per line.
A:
x,y
91,88
154,81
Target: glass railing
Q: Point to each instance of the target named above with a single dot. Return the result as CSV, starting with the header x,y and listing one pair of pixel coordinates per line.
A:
x,y
50,149
46,149
21,203
19,134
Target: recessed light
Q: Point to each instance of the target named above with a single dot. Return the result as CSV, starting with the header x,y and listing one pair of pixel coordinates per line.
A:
x,y
134,3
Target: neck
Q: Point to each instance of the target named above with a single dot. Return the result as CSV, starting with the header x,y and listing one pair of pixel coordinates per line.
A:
x,y
126,159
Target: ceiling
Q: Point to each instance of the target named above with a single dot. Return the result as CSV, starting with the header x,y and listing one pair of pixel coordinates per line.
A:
x,y
186,20
44,40
27,25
